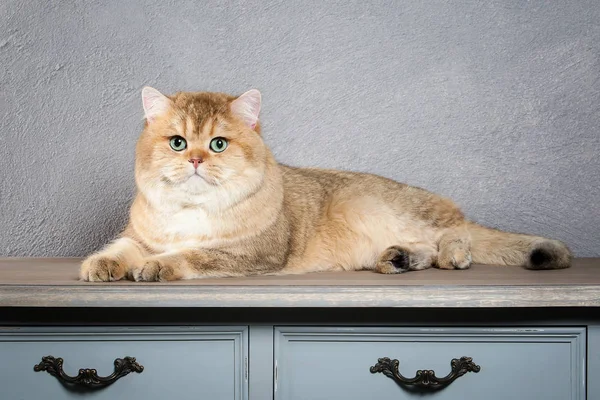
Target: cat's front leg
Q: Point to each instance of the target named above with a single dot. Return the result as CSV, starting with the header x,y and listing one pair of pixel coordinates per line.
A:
x,y
112,263
192,264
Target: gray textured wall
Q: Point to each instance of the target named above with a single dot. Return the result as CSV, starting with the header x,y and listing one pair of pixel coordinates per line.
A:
x,y
495,104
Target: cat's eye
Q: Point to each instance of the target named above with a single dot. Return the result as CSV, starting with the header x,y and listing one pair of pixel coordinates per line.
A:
x,y
218,144
178,143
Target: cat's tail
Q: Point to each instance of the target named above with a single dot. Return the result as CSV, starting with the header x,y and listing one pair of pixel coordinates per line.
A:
x,y
492,246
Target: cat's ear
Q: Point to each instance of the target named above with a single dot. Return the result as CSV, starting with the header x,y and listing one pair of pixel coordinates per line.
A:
x,y
155,103
247,106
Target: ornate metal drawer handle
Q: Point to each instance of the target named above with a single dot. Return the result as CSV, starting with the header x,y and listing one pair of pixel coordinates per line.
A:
x,y
88,377
425,378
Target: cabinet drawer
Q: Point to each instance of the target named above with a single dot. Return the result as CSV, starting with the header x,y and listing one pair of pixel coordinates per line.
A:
x,y
178,363
326,363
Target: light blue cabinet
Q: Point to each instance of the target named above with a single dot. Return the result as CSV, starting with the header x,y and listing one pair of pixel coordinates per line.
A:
x,y
263,362
178,363
516,363
529,334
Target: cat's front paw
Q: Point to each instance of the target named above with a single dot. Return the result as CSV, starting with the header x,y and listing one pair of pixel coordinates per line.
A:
x,y
157,269
102,268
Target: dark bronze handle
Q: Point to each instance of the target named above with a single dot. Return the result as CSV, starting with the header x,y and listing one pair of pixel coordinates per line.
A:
x,y
425,379
88,377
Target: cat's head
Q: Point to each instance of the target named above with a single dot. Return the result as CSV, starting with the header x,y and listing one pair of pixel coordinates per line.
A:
x,y
200,147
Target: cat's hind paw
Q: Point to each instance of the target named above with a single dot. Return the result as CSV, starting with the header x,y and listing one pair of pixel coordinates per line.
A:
x,y
394,260
454,259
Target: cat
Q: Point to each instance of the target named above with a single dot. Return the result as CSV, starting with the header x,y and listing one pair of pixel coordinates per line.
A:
x,y
213,202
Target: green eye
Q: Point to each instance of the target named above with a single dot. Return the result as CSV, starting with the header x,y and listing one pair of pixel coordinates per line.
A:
x,y
178,143
218,144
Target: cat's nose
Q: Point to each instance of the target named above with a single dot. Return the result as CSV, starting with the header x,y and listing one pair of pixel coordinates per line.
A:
x,y
195,161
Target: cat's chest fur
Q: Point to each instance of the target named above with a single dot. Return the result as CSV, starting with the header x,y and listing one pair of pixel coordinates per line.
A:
x,y
187,223
183,228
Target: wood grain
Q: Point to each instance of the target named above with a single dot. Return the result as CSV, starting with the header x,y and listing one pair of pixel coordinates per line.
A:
x,y
53,283
64,271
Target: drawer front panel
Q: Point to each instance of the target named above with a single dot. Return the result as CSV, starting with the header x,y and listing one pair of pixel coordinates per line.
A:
x,y
186,363
326,363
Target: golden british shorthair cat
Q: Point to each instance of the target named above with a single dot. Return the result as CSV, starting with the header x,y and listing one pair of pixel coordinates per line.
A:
x,y
213,202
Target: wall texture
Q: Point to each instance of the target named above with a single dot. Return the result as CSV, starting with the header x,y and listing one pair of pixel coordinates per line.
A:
x,y
495,104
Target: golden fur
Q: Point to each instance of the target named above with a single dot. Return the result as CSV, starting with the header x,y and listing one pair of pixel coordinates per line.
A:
x,y
241,213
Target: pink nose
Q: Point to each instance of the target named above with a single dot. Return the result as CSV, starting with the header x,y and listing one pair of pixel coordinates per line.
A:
x,y
195,161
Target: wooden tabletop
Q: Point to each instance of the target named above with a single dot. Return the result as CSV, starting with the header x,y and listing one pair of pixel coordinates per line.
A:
x,y
53,282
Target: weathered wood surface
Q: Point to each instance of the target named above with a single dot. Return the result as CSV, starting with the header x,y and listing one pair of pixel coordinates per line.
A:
x,y
53,283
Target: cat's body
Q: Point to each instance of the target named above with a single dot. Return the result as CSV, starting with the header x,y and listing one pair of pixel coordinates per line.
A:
x,y
237,212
